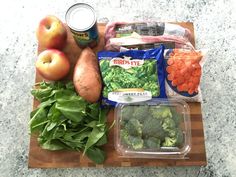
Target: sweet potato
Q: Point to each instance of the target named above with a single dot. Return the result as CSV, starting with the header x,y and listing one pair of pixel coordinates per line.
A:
x,y
87,79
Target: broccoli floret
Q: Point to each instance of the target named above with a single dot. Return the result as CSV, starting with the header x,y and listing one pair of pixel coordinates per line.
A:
x,y
152,143
124,137
176,117
169,142
160,112
176,140
134,127
127,112
140,112
171,132
129,140
168,123
136,142
152,128
179,137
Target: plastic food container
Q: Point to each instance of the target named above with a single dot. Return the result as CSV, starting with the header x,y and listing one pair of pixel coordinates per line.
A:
x,y
158,128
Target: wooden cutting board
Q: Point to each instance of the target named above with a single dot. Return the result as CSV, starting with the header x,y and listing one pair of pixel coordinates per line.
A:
x,y
40,158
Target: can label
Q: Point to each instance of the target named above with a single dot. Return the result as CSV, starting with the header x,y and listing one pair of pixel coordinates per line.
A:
x,y
86,38
82,36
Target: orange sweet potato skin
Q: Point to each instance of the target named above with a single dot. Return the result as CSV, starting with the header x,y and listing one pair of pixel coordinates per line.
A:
x,y
87,78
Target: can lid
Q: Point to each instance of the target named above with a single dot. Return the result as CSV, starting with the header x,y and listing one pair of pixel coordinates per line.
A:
x,y
80,17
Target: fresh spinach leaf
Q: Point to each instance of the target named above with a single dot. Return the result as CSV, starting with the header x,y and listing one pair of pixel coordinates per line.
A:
x,y
96,155
93,138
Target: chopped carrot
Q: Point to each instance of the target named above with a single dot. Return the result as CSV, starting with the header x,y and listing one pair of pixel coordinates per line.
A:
x,y
174,82
179,63
197,72
190,85
180,80
169,69
196,80
187,75
190,69
183,71
185,87
170,77
180,88
196,65
190,92
170,61
188,64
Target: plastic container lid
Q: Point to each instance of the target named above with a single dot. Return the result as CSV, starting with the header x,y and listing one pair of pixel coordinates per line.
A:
x,y
158,128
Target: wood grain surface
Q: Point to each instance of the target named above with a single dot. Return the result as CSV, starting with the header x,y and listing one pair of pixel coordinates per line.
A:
x,y
40,158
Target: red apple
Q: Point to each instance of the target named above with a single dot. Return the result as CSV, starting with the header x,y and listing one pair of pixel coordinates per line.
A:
x,y
52,64
51,33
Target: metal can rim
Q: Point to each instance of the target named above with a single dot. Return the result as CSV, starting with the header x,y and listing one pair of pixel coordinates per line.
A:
x,y
80,4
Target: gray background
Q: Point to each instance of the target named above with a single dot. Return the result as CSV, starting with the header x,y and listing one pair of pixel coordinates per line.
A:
x,y
215,25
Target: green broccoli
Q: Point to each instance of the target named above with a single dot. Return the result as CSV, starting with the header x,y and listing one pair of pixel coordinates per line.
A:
x,y
132,141
172,132
177,117
141,112
168,123
136,142
160,111
152,143
169,142
179,137
176,140
152,128
127,112
134,127
124,136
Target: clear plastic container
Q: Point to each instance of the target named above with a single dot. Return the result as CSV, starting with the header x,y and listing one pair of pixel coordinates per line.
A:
x,y
158,128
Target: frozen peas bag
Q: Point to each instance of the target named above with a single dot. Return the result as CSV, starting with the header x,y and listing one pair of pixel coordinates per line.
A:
x,y
132,76
183,73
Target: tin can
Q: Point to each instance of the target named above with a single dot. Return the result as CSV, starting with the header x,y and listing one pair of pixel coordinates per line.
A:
x,y
82,21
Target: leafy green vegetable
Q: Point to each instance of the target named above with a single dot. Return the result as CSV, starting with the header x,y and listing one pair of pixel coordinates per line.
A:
x,y
64,120
115,77
96,155
150,127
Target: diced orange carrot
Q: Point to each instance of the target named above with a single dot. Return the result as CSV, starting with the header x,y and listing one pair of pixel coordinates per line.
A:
x,y
185,87
169,69
196,65
197,72
187,75
183,71
174,82
190,92
190,85
196,80
188,63
170,77
170,61
180,88
180,79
